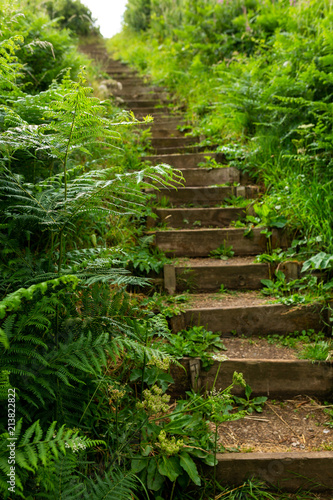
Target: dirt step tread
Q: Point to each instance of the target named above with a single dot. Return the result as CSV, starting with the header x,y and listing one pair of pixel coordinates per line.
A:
x,y
210,262
256,348
302,428
227,300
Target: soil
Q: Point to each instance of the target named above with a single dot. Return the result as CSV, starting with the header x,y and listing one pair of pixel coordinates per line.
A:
x,y
256,348
229,299
284,426
208,262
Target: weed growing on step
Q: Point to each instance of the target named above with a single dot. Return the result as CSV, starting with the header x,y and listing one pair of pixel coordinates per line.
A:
x,y
317,351
222,252
210,162
142,259
274,258
246,403
195,342
236,201
167,305
298,291
308,344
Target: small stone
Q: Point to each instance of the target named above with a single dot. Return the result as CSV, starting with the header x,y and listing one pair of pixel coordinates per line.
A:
x,y
326,431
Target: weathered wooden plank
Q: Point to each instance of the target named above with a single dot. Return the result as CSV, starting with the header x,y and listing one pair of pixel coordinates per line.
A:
x,y
200,242
196,217
288,471
210,278
262,319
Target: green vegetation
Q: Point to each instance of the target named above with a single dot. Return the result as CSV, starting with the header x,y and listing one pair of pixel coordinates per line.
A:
x,y
308,344
246,403
256,81
195,342
82,364
84,355
222,252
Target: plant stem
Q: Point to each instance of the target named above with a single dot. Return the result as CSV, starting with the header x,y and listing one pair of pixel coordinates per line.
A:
x,y
68,145
173,489
116,440
215,453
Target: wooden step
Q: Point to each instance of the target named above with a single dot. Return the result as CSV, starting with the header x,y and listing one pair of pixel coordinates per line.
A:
x,y
200,242
179,150
160,133
190,218
184,160
123,71
170,123
200,176
121,75
273,378
248,317
147,103
144,96
207,275
115,64
129,90
172,142
149,111
128,82
296,471
206,195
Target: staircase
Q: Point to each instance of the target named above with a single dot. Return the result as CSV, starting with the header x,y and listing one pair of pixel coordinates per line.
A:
x,y
193,221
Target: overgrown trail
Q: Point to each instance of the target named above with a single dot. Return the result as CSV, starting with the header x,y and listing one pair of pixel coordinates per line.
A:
x,y
195,223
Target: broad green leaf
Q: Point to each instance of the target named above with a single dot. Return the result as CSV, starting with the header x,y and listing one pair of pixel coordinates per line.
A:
x,y
260,399
189,466
138,464
210,460
268,283
169,466
154,479
248,391
206,457
280,275
135,374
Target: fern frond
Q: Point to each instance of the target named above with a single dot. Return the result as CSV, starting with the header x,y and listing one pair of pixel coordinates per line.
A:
x,y
31,449
4,384
12,302
116,484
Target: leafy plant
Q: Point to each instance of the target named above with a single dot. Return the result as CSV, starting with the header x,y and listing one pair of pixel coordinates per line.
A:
x,y
269,216
33,449
303,342
317,351
195,342
143,258
248,404
320,261
74,16
236,201
223,252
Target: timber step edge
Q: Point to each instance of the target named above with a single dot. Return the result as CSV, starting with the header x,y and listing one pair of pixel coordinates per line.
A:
x,y
273,378
200,242
259,319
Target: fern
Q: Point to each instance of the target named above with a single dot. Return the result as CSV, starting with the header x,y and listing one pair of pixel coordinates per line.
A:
x,y
4,385
34,448
60,480
116,484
